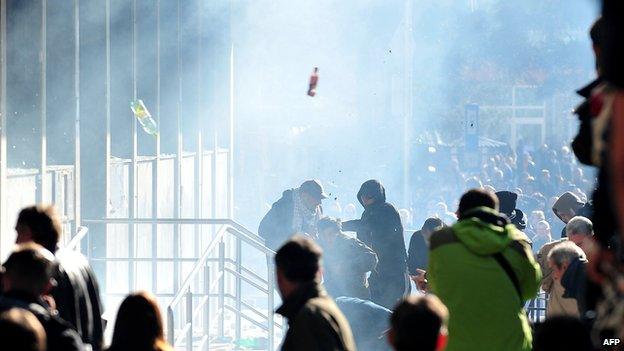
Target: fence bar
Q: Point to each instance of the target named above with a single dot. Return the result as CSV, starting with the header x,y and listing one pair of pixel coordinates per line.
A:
x,y
189,320
177,192
43,157
271,302
77,194
156,164
170,327
222,289
238,257
206,315
3,111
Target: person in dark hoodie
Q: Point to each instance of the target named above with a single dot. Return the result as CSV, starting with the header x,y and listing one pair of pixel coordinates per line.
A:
x,y
508,201
380,229
568,206
297,211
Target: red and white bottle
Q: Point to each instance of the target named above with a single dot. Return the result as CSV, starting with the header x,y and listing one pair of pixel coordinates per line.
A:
x,y
313,82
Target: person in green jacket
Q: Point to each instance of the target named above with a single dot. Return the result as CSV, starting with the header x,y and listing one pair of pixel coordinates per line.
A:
x,y
483,270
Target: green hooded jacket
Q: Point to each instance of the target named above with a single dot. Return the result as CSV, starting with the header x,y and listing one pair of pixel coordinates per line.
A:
x,y
486,311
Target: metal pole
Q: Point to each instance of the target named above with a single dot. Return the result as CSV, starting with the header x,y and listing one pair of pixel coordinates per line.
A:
x,y
238,253
77,194
3,120
221,297
43,186
170,327
178,162
213,193
407,102
271,302
108,114
133,171
207,307
513,119
199,151
230,169
156,165
189,320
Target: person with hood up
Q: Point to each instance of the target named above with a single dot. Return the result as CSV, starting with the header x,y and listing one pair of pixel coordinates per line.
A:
x,y
297,211
568,206
508,201
483,271
380,229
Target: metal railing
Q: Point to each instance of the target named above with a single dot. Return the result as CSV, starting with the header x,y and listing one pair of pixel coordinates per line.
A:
x,y
198,290
74,243
536,308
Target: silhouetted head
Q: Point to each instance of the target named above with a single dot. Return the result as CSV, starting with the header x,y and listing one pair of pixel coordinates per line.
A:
x,y
477,198
20,330
298,261
39,224
139,325
29,269
418,323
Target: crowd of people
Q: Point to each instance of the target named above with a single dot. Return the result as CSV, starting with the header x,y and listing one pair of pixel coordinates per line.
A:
x,y
50,300
462,282
527,220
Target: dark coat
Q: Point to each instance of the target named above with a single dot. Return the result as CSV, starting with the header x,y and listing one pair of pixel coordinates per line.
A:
x,y
380,228
276,226
574,281
417,254
60,336
583,141
345,264
315,323
77,297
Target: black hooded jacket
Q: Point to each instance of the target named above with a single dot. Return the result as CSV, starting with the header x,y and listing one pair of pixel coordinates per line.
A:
x,y
380,228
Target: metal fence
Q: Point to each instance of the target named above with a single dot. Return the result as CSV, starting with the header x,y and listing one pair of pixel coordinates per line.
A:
x,y
224,281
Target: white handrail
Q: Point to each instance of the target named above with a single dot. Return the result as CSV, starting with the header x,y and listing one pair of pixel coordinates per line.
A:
x,y
74,243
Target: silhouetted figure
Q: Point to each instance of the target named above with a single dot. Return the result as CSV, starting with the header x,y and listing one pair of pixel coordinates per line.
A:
x,y
561,333
27,278
569,205
419,323
139,325
418,252
21,331
346,261
368,321
508,202
380,228
297,211
77,294
314,320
